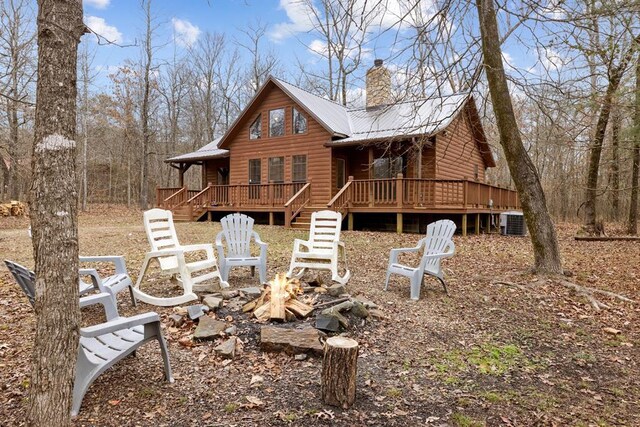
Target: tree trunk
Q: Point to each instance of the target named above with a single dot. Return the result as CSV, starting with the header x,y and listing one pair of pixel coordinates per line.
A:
x,y
339,372
615,76
144,184
54,203
523,172
615,164
632,225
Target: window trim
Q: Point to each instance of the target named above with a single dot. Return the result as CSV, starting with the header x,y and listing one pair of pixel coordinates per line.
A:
x,y
284,122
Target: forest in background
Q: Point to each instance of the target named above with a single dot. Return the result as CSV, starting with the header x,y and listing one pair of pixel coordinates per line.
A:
x,y
576,108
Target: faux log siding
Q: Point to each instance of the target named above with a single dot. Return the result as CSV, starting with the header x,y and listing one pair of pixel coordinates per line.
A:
x,y
310,144
457,153
210,171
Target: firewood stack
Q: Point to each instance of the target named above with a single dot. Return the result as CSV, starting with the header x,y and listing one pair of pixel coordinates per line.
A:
x,y
13,208
279,301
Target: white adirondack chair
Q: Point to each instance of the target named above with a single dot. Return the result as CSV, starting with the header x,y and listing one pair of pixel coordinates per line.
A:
x,y
437,246
111,285
320,252
237,232
102,346
161,233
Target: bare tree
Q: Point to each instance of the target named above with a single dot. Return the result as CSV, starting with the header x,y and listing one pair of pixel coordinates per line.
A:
x,y
17,49
146,95
263,62
86,79
525,177
54,204
632,224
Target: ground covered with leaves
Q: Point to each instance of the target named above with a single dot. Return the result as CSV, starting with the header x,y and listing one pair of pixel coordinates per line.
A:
x,y
504,348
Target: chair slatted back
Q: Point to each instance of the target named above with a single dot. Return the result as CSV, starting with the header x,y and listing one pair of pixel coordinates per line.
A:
x,y
237,229
25,278
325,229
439,235
161,233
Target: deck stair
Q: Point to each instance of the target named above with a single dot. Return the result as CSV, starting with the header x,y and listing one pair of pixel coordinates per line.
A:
x,y
303,220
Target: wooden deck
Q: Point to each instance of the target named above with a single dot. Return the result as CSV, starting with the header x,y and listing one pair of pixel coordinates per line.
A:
x,y
396,195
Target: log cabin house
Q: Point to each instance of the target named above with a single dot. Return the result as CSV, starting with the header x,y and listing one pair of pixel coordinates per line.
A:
x,y
398,164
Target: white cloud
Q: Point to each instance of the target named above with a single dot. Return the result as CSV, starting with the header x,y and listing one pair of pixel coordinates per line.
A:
x,y
107,69
100,27
184,32
98,4
383,15
300,20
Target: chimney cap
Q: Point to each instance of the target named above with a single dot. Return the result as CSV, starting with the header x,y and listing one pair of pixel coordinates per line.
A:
x,y
377,62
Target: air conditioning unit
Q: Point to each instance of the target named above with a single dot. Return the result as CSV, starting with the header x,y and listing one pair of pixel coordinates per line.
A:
x,y
512,224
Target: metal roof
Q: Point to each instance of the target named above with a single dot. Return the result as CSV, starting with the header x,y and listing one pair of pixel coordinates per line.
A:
x,y
333,116
403,119
209,151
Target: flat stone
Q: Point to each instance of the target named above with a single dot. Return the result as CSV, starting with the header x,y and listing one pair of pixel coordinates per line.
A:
x,y
300,357
231,330
236,304
366,301
320,290
176,320
335,290
213,302
196,311
359,310
251,292
327,322
292,341
227,350
209,328
228,293
205,288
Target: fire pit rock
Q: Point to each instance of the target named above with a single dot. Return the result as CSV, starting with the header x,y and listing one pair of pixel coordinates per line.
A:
x,y
292,341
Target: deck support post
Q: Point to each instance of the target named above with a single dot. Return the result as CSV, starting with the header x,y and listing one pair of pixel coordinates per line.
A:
x,y
477,224
399,223
488,228
464,225
350,221
271,220
209,216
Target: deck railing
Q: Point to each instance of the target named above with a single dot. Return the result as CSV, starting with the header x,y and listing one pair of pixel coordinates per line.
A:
x,y
295,204
168,198
415,193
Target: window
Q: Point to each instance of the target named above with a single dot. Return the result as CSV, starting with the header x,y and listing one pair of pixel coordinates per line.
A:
x,y
254,171
340,173
299,122
276,122
255,175
276,169
255,130
299,167
387,167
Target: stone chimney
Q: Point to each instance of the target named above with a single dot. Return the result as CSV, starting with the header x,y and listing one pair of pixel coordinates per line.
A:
x,y
378,86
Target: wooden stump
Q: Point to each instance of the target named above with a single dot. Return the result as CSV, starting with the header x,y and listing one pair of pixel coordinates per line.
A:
x,y
339,371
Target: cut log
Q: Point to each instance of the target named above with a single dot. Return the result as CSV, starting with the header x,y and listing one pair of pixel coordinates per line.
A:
x,y
278,299
339,371
293,341
300,309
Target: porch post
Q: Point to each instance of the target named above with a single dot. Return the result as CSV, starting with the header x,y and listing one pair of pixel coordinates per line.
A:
x,y
181,175
464,225
399,223
271,221
350,221
477,224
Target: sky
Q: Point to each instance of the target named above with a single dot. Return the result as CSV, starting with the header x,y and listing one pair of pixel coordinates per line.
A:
x,y
180,23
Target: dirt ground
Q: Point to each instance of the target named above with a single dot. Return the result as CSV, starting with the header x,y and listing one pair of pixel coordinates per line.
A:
x,y
502,349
